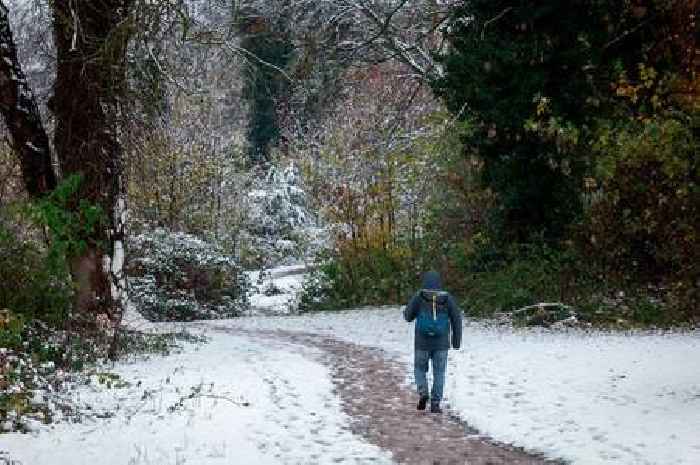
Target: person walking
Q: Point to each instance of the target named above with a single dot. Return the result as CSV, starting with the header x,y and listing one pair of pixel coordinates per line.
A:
x,y
437,318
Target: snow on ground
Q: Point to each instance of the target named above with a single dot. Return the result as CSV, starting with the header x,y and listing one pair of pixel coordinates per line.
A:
x,y
588,397
191,408
132,319
593,398
286,279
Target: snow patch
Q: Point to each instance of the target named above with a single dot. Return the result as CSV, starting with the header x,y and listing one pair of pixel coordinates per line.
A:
x,y
233,400
276,291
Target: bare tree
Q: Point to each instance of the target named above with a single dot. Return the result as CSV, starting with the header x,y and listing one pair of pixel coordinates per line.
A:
x,y
410,32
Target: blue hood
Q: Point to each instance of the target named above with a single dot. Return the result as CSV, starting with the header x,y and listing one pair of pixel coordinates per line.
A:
x,y
432,285
431,280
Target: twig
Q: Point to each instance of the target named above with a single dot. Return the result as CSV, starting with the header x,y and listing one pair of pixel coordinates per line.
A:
x,y
237,49
496,18
214,396
456,117
167,75
627,33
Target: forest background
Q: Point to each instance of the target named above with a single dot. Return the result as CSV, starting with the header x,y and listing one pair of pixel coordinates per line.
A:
x,y
530,151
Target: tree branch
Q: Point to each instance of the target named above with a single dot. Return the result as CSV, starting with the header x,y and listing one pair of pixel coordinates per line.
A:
x,y
496,18
627,33
21,114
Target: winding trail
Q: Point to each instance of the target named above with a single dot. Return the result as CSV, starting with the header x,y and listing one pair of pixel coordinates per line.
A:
x,y
373,393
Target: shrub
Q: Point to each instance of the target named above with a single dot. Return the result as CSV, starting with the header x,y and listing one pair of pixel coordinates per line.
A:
x,y
31,286
32,356
176,276
501,284
319,289
352,277
641,225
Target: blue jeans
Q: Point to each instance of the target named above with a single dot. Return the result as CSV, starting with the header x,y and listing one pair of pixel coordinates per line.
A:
x,y
420,367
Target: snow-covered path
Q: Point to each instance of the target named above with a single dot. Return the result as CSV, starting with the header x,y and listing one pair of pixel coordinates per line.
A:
x,y
373,393
588,397
264,392
261,397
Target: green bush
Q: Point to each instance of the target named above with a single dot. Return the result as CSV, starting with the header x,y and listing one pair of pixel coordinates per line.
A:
x,y
34,273
503,280
70,221
484,276
641,225
650,313
31,285
10,330
351,277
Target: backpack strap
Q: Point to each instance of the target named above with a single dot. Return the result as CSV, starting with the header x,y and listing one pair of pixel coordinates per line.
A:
x,y
434,307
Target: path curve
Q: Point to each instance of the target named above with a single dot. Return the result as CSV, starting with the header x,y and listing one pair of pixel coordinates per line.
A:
x,y
373,393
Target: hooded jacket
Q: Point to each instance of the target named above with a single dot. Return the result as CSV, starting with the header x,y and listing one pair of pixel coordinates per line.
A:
x,y
432,287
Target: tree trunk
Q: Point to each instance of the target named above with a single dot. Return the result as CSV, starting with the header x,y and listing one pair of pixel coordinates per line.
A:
x,y
91,39
21,114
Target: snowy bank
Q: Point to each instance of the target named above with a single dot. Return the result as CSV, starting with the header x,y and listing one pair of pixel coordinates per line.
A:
x,y
232,400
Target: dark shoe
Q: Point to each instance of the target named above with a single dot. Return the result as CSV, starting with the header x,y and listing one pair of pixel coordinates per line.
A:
x,y
422,402
435,408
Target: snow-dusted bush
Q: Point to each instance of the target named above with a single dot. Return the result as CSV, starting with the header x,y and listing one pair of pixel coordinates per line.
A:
x,y
282,229
41,367
279,204
316,293
178,277
38,364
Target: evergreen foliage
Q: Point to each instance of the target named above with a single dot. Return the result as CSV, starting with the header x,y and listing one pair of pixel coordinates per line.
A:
x,y
35,275
33,286
516,68
266,87
585,118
